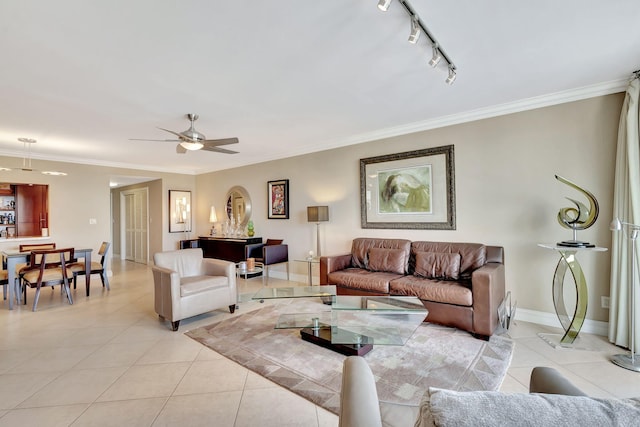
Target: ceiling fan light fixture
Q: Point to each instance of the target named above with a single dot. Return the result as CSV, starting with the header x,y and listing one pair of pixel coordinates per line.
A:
x,y
383,5
193,146
415,30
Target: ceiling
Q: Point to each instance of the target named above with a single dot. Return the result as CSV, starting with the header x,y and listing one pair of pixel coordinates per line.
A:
x,y
287,77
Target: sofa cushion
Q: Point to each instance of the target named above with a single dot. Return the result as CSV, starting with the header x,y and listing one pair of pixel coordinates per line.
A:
x,y
361,245
446,292
435,265
491,408
472,255
389,260
364,280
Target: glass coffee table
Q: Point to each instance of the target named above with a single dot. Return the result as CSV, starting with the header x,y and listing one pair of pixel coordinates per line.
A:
x,y
352,324
326,292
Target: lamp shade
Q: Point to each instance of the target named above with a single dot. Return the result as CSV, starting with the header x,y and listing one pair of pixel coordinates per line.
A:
x,y
317,213
212,216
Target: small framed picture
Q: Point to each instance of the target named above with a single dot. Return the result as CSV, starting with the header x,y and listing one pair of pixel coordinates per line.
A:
x,y
179,211
278,194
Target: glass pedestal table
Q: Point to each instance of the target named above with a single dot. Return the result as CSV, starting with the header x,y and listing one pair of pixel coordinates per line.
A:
x,y
243,272
354,323
568,261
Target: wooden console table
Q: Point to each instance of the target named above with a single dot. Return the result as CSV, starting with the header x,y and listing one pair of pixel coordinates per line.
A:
x,y
227,248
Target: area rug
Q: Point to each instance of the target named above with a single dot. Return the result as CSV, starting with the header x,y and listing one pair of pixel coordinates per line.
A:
x,y
435,356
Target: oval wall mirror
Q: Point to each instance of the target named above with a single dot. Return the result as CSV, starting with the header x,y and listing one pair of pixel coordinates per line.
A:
x,y
238,205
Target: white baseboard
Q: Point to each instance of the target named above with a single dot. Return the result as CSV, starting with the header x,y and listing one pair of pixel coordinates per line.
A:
x,y
551,319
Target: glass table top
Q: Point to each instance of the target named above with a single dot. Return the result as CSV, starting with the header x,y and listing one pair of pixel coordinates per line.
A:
x,y
295,292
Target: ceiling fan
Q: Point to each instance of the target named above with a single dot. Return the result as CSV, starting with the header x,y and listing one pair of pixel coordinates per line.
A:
x,y
191,140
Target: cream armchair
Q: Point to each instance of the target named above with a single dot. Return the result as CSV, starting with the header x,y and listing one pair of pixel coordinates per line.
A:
x,y
187,284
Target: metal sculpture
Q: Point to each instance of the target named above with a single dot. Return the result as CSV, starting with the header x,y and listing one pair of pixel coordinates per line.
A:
x,y
579,217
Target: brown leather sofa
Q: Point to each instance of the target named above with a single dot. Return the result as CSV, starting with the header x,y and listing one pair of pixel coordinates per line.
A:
x,y
461,284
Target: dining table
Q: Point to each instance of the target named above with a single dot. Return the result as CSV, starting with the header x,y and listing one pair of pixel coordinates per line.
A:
x,y
12,257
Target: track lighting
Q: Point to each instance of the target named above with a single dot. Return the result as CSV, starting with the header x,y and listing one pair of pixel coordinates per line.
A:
x,y
383,5
436,57
452,75
418,27
415,29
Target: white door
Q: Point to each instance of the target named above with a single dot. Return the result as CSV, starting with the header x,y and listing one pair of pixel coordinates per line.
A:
x,y
135,225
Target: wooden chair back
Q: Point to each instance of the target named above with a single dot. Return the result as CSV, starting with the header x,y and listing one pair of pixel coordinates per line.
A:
x,y
51,258
36,247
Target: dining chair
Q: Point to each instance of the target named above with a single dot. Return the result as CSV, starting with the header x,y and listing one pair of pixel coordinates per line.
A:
x,y
79,267
20,267
48,268
4,281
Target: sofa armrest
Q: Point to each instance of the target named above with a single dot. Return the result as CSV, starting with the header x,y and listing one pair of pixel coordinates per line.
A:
x,y
488,289
549,381
329,264
359,405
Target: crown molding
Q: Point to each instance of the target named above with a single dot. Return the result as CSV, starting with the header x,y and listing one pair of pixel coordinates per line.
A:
x,y
572,95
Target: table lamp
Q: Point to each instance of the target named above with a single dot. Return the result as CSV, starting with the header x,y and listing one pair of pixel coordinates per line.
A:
x,y
317,214
213,218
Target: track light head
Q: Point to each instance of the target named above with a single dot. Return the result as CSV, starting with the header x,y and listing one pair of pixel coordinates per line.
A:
x,y
435,57
383,5
415,29
452,75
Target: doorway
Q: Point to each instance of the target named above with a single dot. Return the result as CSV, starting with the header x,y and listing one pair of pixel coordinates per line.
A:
x,y
134,232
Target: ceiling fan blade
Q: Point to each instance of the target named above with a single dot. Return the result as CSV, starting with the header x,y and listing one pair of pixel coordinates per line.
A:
x,y
180,149
217,142
218,150
158,140
179,135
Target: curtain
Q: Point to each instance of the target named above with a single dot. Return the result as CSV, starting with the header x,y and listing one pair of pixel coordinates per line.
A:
x,y
626,207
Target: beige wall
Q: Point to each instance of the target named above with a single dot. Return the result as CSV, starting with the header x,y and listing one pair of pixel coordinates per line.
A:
x,y
84,194
506,193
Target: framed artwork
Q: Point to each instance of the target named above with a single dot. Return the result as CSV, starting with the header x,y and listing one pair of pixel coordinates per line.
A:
x,y
412,190
179,211
278,194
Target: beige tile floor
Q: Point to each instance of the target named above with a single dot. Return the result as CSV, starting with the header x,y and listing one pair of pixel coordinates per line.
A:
x,y
107,360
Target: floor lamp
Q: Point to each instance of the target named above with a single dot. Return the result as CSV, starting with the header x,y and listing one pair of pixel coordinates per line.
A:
x,y
629,361
317,214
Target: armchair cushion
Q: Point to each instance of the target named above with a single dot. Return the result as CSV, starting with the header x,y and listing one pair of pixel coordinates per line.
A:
x,y
196,284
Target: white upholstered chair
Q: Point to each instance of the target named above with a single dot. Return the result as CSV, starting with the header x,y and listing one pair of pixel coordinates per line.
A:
x,y
187,284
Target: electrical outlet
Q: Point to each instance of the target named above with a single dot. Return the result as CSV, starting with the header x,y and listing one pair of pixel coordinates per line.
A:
x,y
604,301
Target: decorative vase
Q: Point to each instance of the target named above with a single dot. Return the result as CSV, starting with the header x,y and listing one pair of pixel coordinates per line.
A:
x,y
250,231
